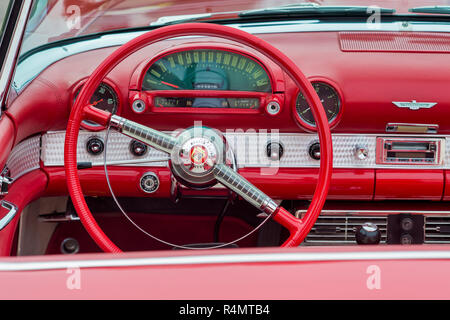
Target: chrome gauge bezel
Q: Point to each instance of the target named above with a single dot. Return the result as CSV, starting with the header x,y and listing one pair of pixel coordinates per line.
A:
x,y
333,121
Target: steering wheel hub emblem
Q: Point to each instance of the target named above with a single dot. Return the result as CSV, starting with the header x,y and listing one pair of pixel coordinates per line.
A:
x,y
198,155
201,148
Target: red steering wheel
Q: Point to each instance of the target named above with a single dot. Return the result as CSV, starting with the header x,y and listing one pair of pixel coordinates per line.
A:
x,y
218,171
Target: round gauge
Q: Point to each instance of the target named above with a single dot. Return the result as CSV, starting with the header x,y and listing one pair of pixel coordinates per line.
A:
x,y
103,98
330,101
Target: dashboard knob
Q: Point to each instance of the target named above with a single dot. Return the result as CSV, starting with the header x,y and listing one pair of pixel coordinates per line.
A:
x,y
273,108
149,182
274,151
95,146
138,148
138,106
368,233
314,151
361,152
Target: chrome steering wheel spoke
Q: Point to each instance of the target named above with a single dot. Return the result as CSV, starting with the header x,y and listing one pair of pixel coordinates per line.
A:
x,y
154,138
220,171
237,183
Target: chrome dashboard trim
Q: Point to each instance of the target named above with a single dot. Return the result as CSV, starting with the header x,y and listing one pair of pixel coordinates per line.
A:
x,y
249,149
10,215
215,259
413,128
24,157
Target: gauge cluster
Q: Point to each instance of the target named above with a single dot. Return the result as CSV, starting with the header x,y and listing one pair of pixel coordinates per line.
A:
x,y
214,80
207,69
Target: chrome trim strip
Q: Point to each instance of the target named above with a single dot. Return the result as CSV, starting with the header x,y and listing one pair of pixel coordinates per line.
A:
x,y
6,266
24,157
412,128
250,150
374,213
10,215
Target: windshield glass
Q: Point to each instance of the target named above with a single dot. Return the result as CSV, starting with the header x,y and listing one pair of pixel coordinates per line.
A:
x,y
53,20
4,9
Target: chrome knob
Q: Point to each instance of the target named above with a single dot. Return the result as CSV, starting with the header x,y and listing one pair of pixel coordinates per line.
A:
x,y
149,182
361,152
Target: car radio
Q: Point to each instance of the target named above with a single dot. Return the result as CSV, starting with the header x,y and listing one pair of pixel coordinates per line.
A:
x,y
410,151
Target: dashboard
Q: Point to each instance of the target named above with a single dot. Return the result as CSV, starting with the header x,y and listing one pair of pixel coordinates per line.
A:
x,y
371,98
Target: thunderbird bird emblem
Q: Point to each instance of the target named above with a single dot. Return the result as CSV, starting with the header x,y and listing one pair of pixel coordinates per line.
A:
x,y
198,155
414,105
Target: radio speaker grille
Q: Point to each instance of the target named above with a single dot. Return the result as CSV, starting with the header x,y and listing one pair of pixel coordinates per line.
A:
x,y
422,42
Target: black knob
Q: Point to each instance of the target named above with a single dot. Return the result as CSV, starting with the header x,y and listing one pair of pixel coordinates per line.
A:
x,y
70,246
138,148
314,151
406,239
368,233
95,146
274,151
407,224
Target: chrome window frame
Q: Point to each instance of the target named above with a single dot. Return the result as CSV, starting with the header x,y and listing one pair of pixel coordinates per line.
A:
x,y
12,52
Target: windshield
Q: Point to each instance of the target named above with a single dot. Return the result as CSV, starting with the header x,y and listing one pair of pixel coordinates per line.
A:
x,y
53,20
4,9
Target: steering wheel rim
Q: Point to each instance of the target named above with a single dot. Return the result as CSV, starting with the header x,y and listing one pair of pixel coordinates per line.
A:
x,y
298,228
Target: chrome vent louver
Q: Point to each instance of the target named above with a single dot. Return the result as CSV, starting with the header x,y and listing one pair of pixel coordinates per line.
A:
x,y
437,229
340,229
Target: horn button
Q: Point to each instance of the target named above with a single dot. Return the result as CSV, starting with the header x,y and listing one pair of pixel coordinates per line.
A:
x,y
198,150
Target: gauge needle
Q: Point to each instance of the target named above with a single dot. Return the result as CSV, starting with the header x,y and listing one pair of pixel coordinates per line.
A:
x,y
170,85
97,102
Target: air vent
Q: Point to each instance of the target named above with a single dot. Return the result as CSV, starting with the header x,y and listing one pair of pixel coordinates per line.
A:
x,y
425,42
437,229
340,230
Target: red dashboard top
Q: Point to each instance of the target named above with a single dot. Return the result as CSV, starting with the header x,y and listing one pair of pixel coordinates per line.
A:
x,y
369,83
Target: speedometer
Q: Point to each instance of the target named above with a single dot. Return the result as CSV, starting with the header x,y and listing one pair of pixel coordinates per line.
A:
x,y
207,69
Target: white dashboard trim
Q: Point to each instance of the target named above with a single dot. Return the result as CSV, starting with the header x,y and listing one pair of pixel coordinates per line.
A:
x,y
249,148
